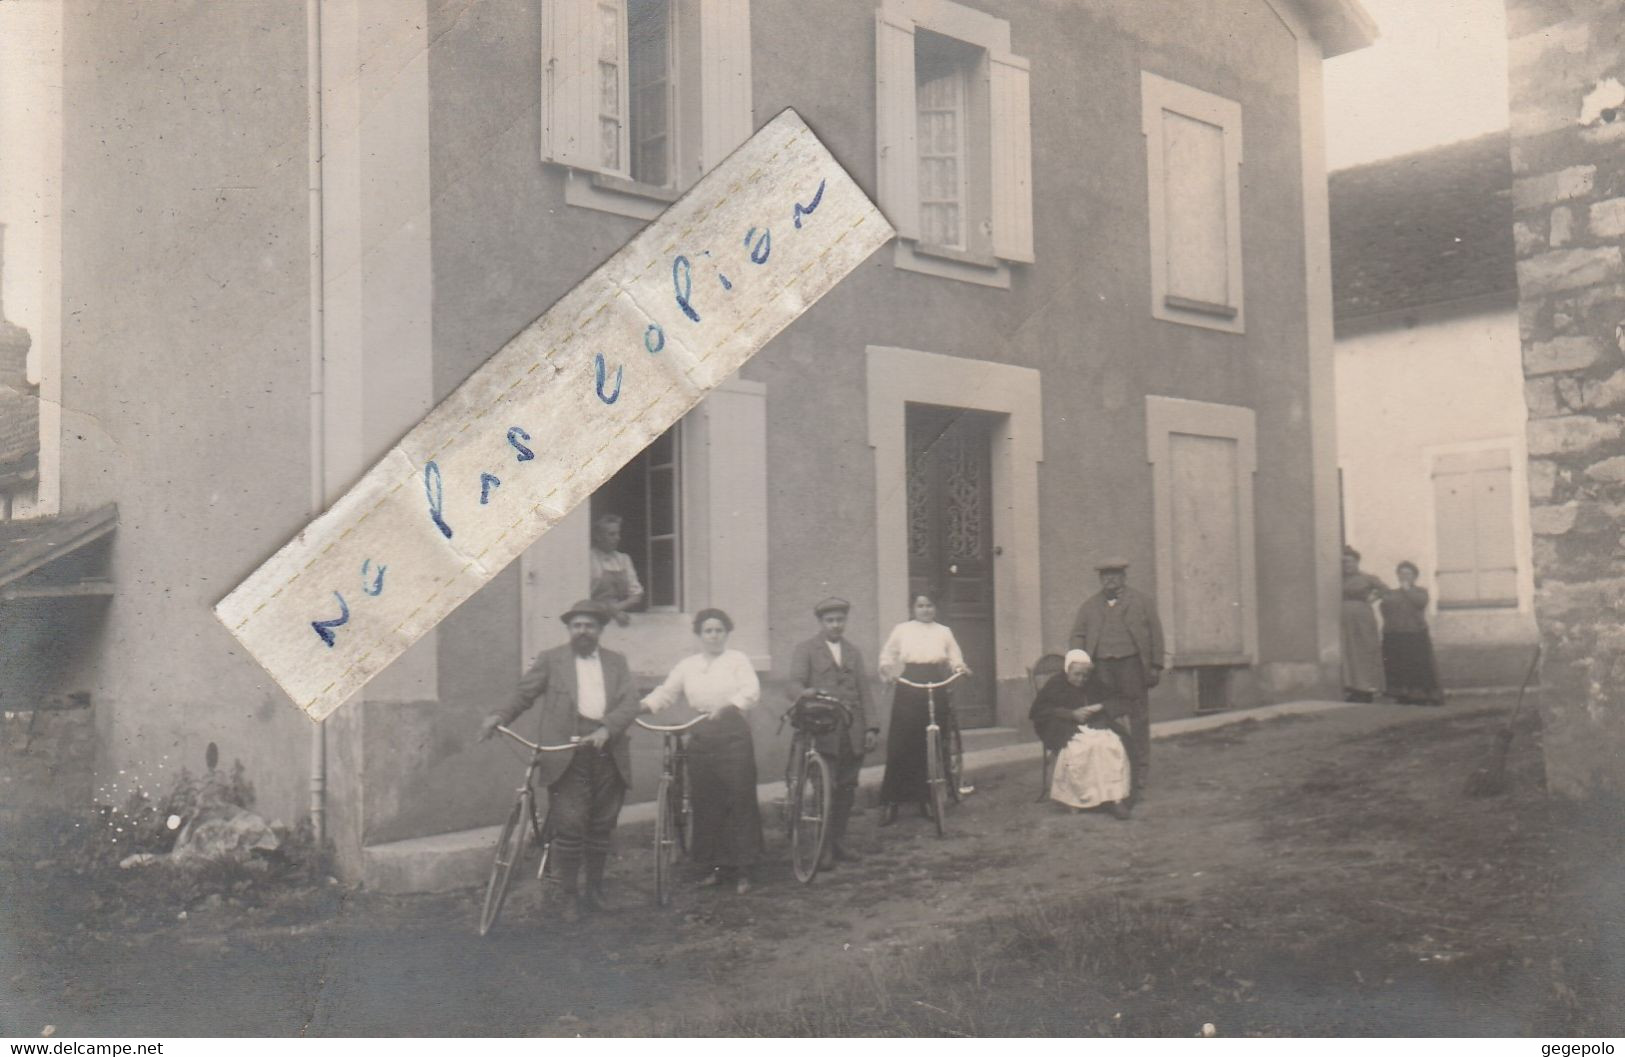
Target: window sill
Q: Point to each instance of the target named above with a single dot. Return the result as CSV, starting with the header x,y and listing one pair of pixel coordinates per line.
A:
x,y
945,263
1207,308
1191,312
949,253
611,194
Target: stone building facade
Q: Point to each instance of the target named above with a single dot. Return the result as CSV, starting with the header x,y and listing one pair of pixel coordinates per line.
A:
x,y
1567,63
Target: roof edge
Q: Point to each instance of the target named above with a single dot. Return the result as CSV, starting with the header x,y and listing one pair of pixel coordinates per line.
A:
x,y
1341,26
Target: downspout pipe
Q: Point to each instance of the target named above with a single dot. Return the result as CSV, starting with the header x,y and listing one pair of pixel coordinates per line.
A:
x,y
318,364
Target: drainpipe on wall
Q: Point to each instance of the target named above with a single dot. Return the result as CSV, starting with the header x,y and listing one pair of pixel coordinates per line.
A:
x,y
318,365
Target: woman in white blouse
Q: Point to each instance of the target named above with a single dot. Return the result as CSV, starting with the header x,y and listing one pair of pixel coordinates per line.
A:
x,y
722,684
922,651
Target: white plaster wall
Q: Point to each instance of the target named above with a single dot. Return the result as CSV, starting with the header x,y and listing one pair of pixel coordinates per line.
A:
x,y
1405,394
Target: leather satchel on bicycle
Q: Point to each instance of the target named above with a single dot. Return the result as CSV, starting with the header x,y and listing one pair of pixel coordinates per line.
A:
x,y
818,715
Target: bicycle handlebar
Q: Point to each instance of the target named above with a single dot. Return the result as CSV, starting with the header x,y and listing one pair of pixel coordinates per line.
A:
x,y
575,743
932,686
678,729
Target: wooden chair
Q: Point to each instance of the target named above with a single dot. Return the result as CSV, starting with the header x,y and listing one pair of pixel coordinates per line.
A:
x,y
1040,673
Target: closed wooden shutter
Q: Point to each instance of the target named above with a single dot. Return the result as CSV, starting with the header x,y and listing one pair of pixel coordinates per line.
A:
x,y
1196,204
725,88
1493,537
895,118
1477,549
584,84
1012,158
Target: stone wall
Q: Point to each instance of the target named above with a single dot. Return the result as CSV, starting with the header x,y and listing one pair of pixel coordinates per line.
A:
x,y
1567,65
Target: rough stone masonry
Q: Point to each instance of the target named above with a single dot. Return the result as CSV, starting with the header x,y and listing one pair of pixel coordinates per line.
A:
x,y
1567,67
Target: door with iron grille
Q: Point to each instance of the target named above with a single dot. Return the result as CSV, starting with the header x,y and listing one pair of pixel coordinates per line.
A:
x,y
950,537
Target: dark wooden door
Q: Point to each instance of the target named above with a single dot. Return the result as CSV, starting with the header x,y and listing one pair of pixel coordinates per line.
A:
x,y
950,538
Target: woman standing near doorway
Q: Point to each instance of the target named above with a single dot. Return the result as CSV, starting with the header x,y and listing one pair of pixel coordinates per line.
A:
x,y
1362,646
1407,649
922,651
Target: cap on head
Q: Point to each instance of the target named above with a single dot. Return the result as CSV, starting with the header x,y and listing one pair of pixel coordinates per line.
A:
x,y
832,605
1112,565
1077,657
587,607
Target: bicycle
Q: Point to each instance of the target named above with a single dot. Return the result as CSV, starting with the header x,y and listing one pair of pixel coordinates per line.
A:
x,y
944,759
510,848
808,784
674,805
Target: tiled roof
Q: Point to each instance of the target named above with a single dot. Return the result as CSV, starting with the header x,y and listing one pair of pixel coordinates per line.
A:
x,y
1423,229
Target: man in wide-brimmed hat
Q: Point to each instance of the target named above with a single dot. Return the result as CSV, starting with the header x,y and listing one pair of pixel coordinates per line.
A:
x,y
1119,628
828,663
585,692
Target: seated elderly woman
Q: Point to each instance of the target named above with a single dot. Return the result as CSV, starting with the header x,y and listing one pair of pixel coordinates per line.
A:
x,y
1076,714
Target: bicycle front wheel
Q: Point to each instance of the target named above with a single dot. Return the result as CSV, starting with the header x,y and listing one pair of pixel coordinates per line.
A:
x,y
935,780
666,832
810,817
510,849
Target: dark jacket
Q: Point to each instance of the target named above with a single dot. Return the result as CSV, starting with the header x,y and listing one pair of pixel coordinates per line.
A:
x,y
1052,708
812,667
552,680
1139,616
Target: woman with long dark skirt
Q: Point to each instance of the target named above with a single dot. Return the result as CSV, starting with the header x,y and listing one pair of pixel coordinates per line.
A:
x,y
1362,644
722,684
1407,649
922,651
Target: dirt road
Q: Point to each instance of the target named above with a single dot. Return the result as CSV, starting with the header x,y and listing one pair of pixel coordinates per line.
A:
x,y
1321,875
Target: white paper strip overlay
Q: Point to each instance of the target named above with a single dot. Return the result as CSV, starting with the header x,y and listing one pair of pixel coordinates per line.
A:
x,y
555,413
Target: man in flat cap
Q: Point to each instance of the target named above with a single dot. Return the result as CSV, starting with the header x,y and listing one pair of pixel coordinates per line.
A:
x,y
1119,628
584,692
828,663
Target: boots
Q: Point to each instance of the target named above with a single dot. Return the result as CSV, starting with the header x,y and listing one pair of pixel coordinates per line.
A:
x,y
889,816
593,898
567,873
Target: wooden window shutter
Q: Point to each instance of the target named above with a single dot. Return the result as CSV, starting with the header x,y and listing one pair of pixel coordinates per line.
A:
x,y
725,88
1453,520
1493,539
571,133
1012,139
896,154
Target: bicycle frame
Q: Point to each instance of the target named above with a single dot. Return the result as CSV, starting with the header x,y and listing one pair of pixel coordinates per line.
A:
x,y
669,816
508,851
807,822
931,698
935,766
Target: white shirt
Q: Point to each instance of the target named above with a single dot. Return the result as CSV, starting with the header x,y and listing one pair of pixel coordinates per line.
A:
x,y
912,642
834,649
708,683
590,697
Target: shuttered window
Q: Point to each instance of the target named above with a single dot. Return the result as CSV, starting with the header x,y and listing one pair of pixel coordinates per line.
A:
x,y
1193,164
650,92
1472,512
953,133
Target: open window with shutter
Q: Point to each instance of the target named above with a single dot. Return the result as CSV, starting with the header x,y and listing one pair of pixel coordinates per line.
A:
x,y
1193,167
1475,529
954,140
640,98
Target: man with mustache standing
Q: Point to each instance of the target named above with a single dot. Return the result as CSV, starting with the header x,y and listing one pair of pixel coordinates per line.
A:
x,y
1118,626
587,693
